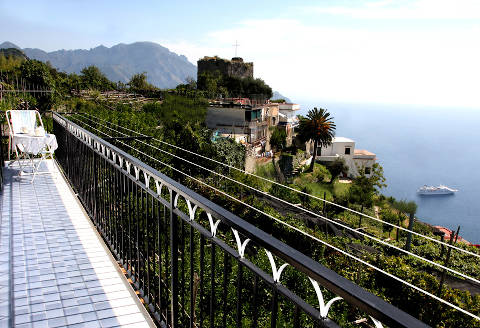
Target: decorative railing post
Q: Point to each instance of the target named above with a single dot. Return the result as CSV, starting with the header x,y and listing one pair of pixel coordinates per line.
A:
x,y
67,154
174,260
95,182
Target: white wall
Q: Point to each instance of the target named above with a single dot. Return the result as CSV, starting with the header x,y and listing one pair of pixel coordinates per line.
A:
x,y
338,148
289,106
354,162
224,116
364,163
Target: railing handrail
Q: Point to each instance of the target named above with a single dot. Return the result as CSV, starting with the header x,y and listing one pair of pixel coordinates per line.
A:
x,y
352,293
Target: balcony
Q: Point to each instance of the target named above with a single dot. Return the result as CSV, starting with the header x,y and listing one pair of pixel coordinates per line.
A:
x,y
70,241
56,270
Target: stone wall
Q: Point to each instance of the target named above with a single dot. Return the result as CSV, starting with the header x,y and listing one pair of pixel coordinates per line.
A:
x,y
235,67
288,162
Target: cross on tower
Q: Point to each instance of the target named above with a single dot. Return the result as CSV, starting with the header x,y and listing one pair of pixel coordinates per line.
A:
x,y
236,45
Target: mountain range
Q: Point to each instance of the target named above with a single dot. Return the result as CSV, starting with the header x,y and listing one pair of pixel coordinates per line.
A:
x,y
165,69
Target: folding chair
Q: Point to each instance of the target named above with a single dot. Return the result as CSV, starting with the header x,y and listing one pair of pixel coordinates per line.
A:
x,y
19,120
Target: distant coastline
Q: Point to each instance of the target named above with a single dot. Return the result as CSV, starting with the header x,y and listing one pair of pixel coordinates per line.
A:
x,y
408,145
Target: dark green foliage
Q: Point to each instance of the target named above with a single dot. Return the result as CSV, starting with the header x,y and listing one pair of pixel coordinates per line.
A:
x,y
215,84
363,188
229,152
284,193
246,87
38,75
72,82
336,168
138,83
189,87
278,139
422,228
210,82
182,109
409,207
361,191
92,78
12,53
390,217
178,121
305,199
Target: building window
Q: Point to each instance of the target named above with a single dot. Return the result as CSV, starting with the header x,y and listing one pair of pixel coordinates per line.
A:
x,y
347,150
368,170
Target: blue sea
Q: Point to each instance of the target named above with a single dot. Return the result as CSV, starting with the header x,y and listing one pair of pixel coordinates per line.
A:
x,y
418,146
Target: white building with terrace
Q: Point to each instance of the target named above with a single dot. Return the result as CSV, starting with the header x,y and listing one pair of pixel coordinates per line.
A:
x,y
355,159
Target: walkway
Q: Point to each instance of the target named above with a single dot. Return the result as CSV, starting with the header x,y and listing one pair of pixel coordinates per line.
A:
x,y
55,270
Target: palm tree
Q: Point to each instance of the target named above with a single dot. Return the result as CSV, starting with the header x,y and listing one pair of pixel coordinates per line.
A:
x,y
319,127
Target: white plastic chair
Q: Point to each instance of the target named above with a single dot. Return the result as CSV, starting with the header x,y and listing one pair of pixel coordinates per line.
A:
x,y
19,120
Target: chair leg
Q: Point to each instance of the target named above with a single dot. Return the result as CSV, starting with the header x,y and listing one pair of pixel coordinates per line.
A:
x,y
28,158
37,167
55,168
9,147
17,158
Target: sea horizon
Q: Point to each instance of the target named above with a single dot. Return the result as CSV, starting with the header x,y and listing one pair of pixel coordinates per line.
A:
x,y
416,146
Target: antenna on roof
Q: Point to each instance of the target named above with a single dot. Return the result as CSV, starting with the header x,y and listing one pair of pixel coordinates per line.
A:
x,y
236,45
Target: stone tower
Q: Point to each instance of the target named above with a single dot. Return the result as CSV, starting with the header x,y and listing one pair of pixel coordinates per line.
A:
x,y
235,67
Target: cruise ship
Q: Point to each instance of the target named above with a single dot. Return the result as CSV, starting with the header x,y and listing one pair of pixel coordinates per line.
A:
x,y
440,190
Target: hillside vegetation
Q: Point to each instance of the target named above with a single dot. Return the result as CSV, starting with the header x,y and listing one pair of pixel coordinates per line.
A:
x,y
177,117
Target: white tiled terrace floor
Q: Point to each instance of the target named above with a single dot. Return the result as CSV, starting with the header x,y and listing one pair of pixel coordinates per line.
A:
x,y
54,269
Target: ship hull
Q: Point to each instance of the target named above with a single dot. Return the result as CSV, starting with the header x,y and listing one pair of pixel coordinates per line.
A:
x,y
435,193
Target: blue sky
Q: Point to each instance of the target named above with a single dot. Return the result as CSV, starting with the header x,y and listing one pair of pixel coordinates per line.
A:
x,y
423,52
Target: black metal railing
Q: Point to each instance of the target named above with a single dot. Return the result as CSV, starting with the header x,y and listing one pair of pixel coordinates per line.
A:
x,y
194,263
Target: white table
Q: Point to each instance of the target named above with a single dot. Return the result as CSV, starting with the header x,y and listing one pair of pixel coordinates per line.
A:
x,y
30,146
34,145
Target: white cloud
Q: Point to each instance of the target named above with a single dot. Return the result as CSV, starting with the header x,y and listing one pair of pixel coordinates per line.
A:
x,y
420,9
192,51
313,62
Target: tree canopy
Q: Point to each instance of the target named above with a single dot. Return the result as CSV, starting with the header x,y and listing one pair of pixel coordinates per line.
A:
x,y
409,207
92,78
138,83
278,139
215,84
390,217
337,167
39,75
363,188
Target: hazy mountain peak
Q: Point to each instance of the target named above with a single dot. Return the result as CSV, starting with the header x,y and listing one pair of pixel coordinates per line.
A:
x,y
120,62
277,95
7,44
